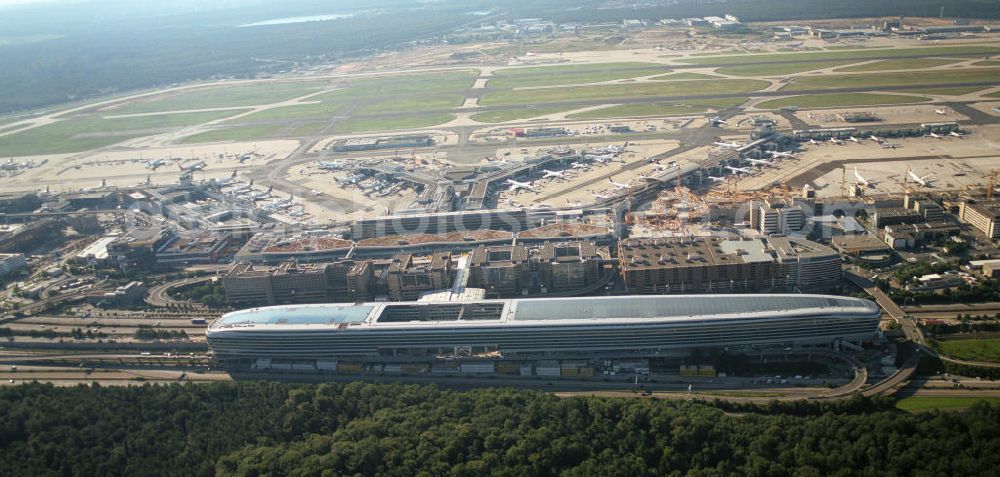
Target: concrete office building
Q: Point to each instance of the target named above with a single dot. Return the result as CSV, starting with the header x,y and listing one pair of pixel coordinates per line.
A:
x,y
408,277
287,283
707,265
503,271
11,263
984,216
778,217
136,250
565,266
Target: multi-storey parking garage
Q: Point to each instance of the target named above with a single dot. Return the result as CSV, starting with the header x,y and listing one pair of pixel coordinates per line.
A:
x,y
497,330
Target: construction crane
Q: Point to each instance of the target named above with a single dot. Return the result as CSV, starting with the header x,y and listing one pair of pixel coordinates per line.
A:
x,y
843,182
992,183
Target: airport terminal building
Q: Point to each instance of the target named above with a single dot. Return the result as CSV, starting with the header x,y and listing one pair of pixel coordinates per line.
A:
x,y
487,333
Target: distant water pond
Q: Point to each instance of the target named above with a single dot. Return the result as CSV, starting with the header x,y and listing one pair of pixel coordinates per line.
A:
x,y
310,18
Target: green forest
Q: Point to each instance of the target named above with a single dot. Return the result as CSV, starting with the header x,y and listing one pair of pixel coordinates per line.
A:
x,y
358,429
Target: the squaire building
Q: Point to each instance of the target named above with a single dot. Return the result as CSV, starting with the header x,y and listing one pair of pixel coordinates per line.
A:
x,y
497,330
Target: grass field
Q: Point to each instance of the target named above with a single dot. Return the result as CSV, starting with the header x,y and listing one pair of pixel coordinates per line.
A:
x,y
900,64
657,109
321,110
512,114
780,69
682,77
840,100
423,84
987,63
948,91
847,54
402,94
571,74
220,97
979,349
389,123
610,92
902,78
420,84
995,94
413,104
83,134
238,133
6,126
717,53
927,403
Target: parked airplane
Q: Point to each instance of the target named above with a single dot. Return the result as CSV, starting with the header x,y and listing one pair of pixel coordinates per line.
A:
x,y
861,179
731,145
104,185
262,195
603,159
515,186
554,174
777,154
813,142
934,135
759,162
835,141
956,134
153,164
716,179
942,112
618,185
854,139
920,180
890,146
145,183
611,149
248,187
573,204
580,165
281,204
350,180
10,165
329,166
716,121
875,138
225,181
195,166
738,170
599,196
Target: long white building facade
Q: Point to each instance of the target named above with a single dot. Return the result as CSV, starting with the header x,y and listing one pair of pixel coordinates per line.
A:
x,y
497,330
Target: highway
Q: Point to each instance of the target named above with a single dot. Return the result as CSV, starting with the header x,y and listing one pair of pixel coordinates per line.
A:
x,y
906,321
159,295
124,368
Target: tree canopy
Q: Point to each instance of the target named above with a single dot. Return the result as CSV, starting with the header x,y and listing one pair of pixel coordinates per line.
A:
x,y
276,429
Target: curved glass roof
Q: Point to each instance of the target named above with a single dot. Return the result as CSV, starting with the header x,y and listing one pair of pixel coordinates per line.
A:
x,y
672,306
563,310
323,314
